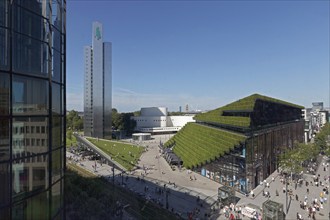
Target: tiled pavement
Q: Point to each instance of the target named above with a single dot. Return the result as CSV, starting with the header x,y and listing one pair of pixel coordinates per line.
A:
x,y
159,172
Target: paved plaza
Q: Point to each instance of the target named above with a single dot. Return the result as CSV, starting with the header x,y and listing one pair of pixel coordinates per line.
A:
x,y
190,194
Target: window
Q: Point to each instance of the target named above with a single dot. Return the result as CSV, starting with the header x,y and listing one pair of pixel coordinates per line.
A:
x,y
4,46
56,165
29,23
56,197
56,98
35,207
5,181
4,90
29,55
30,96
25,142
56,131
56,66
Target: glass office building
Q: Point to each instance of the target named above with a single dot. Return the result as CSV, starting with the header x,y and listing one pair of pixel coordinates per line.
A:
x,y
32,108
98,86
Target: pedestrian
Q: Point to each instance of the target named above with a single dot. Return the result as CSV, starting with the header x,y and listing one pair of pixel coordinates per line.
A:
x,y
297,197
307,191
232,217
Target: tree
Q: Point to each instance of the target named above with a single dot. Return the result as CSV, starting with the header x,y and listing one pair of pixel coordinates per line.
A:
x,y
69,134
137,113
291,161
322,139
78,123
74,121
115,119
128,123
123,121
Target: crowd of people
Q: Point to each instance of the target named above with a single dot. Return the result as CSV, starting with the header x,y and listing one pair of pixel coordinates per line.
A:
x,y
308,203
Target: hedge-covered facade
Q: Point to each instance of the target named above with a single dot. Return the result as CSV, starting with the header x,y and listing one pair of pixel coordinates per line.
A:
x,y
262,127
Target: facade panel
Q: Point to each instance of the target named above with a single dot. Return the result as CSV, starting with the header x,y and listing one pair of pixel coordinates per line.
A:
x,y
32,108
107,85
88,126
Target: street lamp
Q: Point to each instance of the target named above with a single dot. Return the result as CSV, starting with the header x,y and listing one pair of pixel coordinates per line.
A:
x,y
286,193
166,198
113,173
247,184
122,177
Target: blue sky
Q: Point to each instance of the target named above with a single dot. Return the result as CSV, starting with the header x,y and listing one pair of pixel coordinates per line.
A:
x,y
203,53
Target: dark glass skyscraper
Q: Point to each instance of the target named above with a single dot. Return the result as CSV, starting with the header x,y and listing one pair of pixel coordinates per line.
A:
x,y
32,108
97,90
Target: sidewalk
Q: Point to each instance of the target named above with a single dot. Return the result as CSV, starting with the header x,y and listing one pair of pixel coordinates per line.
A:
x,y
189,185
299,193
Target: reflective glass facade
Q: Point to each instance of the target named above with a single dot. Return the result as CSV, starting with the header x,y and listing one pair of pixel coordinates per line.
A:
x,y
32,108
98,86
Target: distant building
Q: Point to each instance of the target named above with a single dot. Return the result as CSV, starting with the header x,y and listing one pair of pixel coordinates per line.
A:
x,y
98,86
317,106
141,136
323,118
315,118
156,120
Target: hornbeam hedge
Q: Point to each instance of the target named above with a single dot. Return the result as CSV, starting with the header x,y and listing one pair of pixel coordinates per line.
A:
x,y
198,144
245,104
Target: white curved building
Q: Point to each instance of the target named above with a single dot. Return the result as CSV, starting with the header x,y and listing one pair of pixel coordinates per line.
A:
x,y
156,120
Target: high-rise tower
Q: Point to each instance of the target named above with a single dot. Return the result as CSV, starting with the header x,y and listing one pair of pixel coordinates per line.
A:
x,y
98,86
32,109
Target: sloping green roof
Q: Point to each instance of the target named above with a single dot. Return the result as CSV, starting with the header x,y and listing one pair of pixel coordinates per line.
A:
x,y
245,104
197,144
